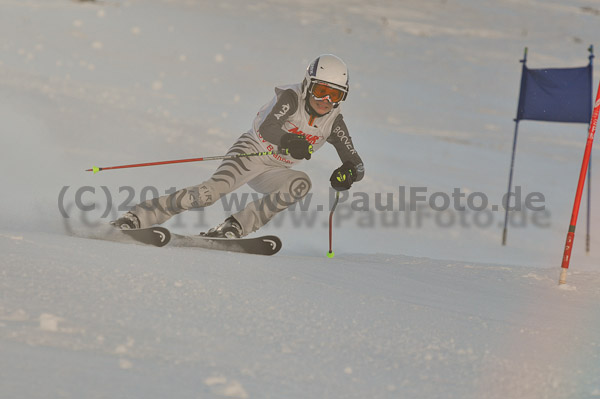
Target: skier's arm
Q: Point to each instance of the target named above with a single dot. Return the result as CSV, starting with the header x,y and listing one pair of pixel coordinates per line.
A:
x,y
271,127
342,142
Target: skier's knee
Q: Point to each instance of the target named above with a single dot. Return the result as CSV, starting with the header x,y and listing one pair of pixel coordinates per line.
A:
x,y
299,186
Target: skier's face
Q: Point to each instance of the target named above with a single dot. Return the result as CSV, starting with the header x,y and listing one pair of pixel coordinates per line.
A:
x,y
320,106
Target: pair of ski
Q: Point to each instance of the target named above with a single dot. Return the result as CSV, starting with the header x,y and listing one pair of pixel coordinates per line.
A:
x,y
160,236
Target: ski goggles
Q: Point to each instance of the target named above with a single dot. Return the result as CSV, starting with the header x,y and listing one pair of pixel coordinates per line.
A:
x,y
321,91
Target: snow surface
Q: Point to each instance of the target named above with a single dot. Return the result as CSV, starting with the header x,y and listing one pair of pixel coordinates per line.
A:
x,y
405,310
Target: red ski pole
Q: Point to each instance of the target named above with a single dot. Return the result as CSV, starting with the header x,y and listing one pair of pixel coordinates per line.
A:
x,y
584,167
331,254
97,169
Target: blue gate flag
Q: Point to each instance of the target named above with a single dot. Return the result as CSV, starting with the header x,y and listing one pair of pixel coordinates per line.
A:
x,y
552,95
556,94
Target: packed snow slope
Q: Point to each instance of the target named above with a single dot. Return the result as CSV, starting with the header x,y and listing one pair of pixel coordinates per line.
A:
x,y
87,318
434,87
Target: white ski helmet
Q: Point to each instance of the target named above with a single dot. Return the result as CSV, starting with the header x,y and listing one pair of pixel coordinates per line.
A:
x,y
328,69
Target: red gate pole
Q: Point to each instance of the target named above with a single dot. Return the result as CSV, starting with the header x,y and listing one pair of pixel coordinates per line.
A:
x,y
584,167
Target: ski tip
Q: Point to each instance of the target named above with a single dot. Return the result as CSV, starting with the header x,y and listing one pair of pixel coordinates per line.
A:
x,y
273,244
330,254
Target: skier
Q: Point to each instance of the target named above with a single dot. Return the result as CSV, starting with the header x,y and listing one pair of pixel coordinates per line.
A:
x,y
297,122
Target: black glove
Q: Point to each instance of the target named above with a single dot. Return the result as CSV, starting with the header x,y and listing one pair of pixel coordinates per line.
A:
x,y
296,146
343,177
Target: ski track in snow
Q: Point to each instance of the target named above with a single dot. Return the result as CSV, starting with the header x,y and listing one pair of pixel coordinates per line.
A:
x,y
408,310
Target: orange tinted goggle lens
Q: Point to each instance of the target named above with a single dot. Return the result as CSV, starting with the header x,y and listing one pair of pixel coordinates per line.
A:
x,y
321,91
